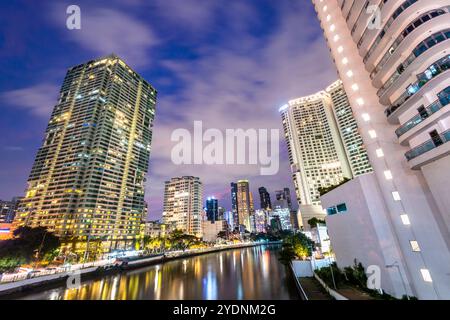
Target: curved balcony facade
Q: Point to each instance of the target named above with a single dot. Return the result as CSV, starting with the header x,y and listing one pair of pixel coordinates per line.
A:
x,y
397,78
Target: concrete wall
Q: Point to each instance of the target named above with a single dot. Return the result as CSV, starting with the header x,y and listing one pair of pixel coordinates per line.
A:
x,y
363,232
437,175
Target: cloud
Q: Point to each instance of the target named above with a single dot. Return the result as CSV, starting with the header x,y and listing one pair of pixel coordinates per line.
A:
x,y
38,99
105,31
13,148
240,84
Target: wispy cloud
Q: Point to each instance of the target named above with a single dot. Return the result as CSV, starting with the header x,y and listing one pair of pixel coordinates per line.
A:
x,y
38,99
105,30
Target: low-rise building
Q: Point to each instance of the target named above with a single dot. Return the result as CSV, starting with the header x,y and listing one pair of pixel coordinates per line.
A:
x,y
212,228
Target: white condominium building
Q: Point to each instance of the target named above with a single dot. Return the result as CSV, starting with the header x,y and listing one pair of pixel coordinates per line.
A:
x,y
393,57
183,205
323,142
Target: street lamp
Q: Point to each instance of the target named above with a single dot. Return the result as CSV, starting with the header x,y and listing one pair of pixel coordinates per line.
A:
x,y
395,265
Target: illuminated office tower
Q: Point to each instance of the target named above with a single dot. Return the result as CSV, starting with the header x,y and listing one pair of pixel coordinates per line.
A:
x,y
264,195
183,205
88,178
261,220
393,59
234,204
245,207
212,209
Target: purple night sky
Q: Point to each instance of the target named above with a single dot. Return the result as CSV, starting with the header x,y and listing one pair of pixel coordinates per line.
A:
x,y
230,64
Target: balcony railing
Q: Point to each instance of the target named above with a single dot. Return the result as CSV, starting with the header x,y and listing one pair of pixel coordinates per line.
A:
x,y
427,146
418,119
432,72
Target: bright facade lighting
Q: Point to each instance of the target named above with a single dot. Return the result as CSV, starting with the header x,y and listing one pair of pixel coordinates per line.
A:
x,y
388,175
426,275
345,61
325,8
350,74
414,246
328,17
366,117
360,101
380,153
355,87
373,134
332,28
336,38
405,219
396,196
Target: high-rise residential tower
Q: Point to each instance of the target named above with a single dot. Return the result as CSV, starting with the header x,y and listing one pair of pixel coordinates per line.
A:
x,y
245,207
324,146
264,196
88,178
348,130
316,152
393,59
183,205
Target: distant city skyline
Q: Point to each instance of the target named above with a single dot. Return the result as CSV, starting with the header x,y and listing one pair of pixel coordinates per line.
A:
x,y
180,54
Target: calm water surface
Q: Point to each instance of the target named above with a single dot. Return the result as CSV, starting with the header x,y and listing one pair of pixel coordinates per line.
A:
x,y
250,273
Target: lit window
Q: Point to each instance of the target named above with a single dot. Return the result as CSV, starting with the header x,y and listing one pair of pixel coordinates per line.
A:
x,y
360,101
340,49
372,134
350,74
332,27
366,117
355,87
345,61
336,38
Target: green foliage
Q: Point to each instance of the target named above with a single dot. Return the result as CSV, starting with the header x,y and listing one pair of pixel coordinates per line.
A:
x,y
328,273
296,246
25,247
324,191
356,275
314,221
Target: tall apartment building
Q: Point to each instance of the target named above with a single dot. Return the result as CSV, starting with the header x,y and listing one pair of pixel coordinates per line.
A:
x,y
183,205
393,58
88,178
348,130
324,146
245,206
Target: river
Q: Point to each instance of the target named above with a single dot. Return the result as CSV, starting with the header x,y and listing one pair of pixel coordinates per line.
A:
x,y
240,274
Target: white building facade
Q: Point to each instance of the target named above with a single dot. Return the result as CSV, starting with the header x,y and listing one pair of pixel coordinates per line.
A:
x,y
393,59
183,205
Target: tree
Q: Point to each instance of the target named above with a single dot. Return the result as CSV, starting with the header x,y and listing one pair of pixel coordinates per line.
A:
x,y
296,246
28,245
314,221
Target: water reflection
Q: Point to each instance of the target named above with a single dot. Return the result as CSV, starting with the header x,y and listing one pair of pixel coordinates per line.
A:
x,y
251,273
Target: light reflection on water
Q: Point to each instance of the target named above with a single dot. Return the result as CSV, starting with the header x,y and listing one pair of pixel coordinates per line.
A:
x,y
250,273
